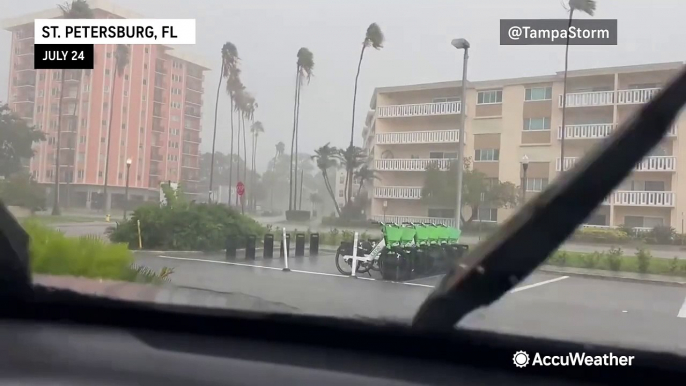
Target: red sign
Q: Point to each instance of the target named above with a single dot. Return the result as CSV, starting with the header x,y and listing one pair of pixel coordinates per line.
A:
x,y
240,188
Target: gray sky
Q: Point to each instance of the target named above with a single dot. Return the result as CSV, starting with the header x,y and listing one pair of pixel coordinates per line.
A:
x,y
268,34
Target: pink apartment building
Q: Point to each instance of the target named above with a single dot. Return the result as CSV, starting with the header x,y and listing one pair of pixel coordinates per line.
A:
x,y
155,123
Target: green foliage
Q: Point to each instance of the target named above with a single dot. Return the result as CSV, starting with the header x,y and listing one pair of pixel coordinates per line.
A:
x,y
90,256
643,256
674,265
601,235
16,139
661,235
558,258
614,258
21,190
185,226
591,260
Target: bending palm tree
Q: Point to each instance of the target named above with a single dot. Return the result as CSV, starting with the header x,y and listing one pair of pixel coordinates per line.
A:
x,y
304,70
234,86
229,63
255,129
121,60
249,113
325,158
373,38
588,7
77,9
351,159
363,175
239,106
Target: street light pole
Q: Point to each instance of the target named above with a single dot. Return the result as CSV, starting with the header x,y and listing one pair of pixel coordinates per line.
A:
x,y
126,191
461,44
525,166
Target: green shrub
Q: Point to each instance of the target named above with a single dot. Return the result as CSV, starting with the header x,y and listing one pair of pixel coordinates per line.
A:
x,y
185,226
601,235
614,258
558,258
345,222
674,265
643,256
591,260
661,235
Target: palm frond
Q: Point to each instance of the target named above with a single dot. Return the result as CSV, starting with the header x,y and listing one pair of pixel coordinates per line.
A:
x,y
374,36
257,128
230,58
77,9
305,63
585,6
121,58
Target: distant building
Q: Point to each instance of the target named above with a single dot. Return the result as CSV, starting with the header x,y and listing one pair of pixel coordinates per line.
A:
x,y
156,121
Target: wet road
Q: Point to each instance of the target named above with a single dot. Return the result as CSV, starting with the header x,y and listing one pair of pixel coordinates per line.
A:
x,y
561,307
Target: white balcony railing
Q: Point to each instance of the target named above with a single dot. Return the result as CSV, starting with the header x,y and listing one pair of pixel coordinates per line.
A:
x,y
596,130
584,99
648,164
401,219
637,96
418,110
411,165
399,192
641,198
418,137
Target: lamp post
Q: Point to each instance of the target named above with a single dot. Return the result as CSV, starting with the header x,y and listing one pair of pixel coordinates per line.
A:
x,y
461,44
126,191
525,166
385,206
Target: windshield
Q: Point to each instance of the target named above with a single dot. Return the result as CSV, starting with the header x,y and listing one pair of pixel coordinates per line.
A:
x,y
340,165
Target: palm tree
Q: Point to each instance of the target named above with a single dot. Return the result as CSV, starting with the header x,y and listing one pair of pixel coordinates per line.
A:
x,y
351,159
249,113
304,70
234,87
121,60
325,157
363,175
588,7
77,9
229,63
374,38
255,129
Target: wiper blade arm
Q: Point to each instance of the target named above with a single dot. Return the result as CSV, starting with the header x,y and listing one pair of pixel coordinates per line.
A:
x,y
525,241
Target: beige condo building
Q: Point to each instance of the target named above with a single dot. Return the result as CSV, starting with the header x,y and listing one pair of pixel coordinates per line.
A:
x,y
409,127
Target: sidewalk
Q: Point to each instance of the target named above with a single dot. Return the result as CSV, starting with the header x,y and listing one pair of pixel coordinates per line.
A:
x,y
611,275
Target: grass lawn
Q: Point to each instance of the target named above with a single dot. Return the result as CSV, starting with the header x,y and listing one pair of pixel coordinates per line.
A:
x,y
62,219
627,263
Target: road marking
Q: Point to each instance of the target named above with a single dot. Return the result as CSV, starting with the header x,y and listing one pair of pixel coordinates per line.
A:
x,y
220,262
425,278
526,287
682,311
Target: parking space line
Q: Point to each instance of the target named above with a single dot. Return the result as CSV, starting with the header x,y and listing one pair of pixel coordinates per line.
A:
x,y
682,311
526,287
220,262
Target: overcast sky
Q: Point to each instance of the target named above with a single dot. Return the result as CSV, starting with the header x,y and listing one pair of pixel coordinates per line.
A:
x,y
268,34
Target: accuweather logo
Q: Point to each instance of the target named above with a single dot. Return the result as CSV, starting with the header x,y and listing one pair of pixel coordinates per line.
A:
x,y
521,359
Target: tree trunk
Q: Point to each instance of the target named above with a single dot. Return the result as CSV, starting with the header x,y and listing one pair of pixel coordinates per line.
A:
x,y
214,132
290,169
564,98
245,152
56,193
331,193
231,157
108,202
238,149
297,159
300,203
349,186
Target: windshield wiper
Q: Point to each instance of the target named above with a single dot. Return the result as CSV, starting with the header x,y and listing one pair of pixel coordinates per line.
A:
x,y
526,240
15,274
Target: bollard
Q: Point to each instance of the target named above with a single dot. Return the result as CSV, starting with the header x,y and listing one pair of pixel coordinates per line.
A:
x,y
288,245
285,246
354,270
268,250
314,244
250,247
299,245
230,246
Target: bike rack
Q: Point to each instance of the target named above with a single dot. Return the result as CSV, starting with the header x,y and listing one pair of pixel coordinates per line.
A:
x,y
353,272
285,251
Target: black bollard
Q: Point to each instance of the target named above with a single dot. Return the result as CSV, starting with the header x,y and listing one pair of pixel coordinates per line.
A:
x,y
299,245
288,245
268,249
314,244
230,246
250,247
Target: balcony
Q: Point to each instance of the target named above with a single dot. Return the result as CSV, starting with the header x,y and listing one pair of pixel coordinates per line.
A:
x,y
418,137
402,219
419,110
411,165
190,167
648,164
637,96
596,130
192,112
639,198
588,99
25,83
25,99
191,140
156,157
399,192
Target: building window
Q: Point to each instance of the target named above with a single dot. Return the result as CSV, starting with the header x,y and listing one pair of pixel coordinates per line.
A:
x,y
340,193
123,126
86,87
486,154
596,219
643,222
175,118
82,139
642,86
126,77
41,77
107,72
146,50
487,214
41,93
108,55
489,97
102,139
145,82
536,184
100,173
442,155
536,124
80,174
539,94
441,213
447,99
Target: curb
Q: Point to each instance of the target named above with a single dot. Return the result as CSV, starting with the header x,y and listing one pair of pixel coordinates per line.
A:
x,y
326,250
549,269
